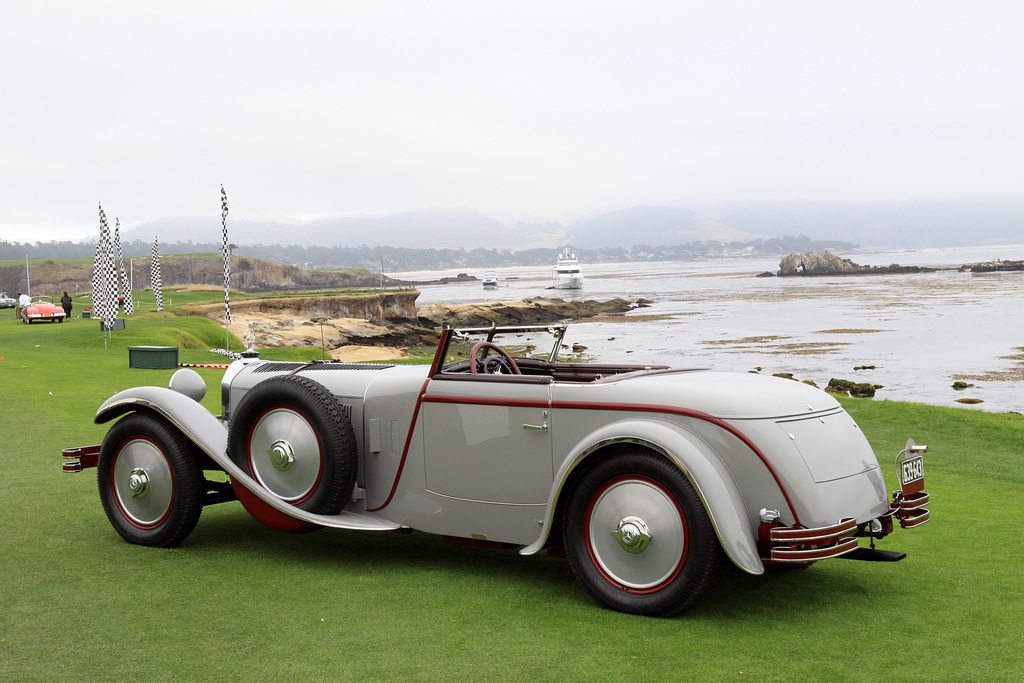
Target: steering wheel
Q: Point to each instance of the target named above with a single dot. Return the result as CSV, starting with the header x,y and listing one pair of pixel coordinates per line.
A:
x,y
505,360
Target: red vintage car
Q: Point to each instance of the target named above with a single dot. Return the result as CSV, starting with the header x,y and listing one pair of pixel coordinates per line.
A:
x,y
43,310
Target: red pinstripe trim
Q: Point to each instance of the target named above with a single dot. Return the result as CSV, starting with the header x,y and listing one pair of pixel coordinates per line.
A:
x,y
405,451
687,412
581,405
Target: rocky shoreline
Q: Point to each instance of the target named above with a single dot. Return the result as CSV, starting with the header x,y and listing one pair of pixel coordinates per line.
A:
x,y
994,266
385,326
825,263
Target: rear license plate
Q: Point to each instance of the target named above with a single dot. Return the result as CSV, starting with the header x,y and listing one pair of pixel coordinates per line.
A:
x,y
911,471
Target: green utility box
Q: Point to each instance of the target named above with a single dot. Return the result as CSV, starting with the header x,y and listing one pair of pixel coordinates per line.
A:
x,y
153,357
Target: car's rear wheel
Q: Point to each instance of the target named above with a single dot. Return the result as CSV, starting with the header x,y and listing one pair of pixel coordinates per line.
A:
x,y
638,537
150,482
291,436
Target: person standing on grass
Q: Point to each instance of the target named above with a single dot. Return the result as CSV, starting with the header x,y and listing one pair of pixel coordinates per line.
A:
x,y
65,303
23,302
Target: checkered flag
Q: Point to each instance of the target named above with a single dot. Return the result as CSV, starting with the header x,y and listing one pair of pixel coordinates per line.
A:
x,y
109,307
118,261
97,269
227,254
154,276
123,289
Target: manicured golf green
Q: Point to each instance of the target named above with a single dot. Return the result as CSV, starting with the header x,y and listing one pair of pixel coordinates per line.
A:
x,y
238,601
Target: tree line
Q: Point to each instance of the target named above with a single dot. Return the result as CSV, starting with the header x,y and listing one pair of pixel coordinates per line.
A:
x,y
398,259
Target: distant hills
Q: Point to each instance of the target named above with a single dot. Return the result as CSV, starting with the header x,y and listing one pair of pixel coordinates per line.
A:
x,y
922,224
654,226
457,229
882,225
427,229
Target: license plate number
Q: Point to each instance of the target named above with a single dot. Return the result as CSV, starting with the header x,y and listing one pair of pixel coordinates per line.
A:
x,y
911,470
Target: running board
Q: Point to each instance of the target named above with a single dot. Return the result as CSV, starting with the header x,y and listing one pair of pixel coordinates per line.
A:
x,y
874,555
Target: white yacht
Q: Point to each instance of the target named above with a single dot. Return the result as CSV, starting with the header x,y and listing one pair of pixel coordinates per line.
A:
x,y
566,274
490,279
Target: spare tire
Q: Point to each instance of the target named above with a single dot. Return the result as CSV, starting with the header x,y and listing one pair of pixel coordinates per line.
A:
x,y
290,435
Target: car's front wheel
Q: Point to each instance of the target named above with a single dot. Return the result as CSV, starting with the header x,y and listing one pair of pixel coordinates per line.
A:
x,y
150,482
638,537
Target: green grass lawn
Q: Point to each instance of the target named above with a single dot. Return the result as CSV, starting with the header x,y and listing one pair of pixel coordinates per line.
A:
x,y
237,601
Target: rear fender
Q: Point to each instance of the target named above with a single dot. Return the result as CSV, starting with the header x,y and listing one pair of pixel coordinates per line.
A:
x,y
698,462
207,432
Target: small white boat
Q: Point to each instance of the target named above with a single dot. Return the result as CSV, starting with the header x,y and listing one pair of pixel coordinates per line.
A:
x,y
566,274
490,279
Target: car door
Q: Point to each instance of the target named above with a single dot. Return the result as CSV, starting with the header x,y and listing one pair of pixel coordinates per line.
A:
x,y
486,438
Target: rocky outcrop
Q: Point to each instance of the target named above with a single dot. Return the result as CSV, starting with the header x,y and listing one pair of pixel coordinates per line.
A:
x,y
382,306
528,311
339,323
817,263
994,266
845,387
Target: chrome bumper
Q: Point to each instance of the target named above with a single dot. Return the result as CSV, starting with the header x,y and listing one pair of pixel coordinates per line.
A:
x,y
798,545
79,458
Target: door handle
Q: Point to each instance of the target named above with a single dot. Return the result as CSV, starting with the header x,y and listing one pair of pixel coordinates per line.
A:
x,y
542,427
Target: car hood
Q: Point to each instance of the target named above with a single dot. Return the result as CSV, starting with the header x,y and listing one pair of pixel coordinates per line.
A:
x,y
729,395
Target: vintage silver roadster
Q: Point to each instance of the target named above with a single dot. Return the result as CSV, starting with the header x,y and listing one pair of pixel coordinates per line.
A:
x,y
641,475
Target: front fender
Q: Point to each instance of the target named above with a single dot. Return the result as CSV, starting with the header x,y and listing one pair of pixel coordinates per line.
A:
x,y
698,462
205,430
193,420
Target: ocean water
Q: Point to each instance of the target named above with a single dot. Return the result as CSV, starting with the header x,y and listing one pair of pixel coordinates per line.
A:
x,y
921,332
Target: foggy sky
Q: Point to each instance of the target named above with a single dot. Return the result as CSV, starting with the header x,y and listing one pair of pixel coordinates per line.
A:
x,y
525,110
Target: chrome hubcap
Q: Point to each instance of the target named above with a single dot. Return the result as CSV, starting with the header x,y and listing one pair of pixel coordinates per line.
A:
x,y
143,482
282,457
636,533
138,483
284,454
632,534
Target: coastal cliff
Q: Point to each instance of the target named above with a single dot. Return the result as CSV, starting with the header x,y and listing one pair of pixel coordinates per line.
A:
x,y
374,306
383,326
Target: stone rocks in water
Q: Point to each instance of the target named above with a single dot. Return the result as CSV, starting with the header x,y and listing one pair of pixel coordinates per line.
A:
x,y
816,263
845,387
960,386
766,273
993,266
864,367
969,401
789,375
813,263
